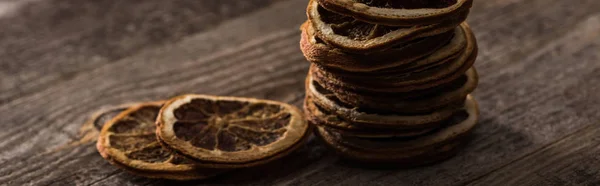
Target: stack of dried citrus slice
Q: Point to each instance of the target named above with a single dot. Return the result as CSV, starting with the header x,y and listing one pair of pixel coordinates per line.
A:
x,y
390,80
199,136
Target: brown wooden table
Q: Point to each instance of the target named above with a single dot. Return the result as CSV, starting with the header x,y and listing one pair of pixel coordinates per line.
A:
x,y
61,60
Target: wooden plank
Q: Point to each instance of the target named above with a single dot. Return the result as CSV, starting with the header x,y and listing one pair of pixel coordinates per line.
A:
x,y
527,68
52,41
573,160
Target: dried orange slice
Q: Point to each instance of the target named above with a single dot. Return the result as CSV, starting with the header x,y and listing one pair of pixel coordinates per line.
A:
x,y
461,44
355,36
435,146
318,52
404,79
331,103
229,131
104,115
422,101
395,12
320,117
129,142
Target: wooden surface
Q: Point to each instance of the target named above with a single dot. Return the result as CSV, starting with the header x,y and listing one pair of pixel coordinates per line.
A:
x,y
61,60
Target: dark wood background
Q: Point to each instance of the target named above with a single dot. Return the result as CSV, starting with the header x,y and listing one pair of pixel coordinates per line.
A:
x,y
61,60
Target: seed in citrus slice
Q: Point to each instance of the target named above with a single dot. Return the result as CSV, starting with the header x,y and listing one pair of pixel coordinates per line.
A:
x,y
128,141
230,131
399,13
435,146
318,52
355,36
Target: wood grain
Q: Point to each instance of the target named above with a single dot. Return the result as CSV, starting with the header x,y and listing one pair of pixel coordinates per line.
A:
x,y
573,160
61,60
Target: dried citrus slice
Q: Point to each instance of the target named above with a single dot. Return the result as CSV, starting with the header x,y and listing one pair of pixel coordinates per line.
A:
x,y
353,92
231,131
415,102
90,130
331,103
395,12
435,146
462,44
404,79
104,115
129,142
318,52
320,117
457,126
355,36
409,103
